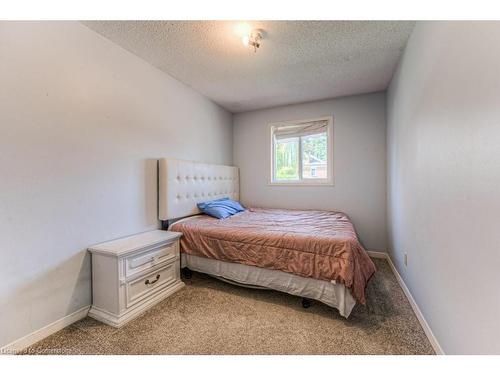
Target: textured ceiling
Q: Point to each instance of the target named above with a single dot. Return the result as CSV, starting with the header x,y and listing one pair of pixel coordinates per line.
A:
x,y
298,60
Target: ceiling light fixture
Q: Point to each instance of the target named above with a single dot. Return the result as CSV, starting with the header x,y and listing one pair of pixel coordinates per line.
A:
x,y
253,39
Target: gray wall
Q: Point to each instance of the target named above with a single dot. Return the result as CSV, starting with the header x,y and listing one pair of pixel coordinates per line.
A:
x,y
359,132
81,123
444,180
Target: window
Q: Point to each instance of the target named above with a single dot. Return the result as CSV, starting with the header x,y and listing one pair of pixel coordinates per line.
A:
x,y
302,152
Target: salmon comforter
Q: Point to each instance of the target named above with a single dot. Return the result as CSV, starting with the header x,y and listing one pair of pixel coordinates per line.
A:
x,y
317,244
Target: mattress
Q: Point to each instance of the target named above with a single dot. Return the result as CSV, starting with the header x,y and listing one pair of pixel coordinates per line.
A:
x,y
331,294
320,245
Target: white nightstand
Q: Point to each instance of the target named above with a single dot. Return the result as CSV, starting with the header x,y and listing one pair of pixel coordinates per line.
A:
x,y
131,274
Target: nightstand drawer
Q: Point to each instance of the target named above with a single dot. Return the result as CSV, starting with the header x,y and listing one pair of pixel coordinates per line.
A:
x,y
142,261
142,287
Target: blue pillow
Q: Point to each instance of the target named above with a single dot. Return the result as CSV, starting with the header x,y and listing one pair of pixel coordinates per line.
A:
x,y
221,208
233,204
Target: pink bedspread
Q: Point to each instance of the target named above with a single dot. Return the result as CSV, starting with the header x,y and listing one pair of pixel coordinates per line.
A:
x,y
317,244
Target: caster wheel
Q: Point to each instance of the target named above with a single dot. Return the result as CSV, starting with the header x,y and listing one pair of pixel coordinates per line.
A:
x,y
306,303
186,273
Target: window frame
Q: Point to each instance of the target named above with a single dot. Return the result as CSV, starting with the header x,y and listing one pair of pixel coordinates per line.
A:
x,y
303,181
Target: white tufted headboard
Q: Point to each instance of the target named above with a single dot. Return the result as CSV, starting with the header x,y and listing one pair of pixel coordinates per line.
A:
x,y
183,184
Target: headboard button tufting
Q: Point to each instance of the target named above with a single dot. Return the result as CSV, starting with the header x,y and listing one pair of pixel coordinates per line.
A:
x,y
182,184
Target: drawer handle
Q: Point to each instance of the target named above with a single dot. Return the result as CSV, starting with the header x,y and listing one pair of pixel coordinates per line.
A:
x,y
147,282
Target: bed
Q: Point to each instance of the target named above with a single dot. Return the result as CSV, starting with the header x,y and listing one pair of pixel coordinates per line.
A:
x,y
312,254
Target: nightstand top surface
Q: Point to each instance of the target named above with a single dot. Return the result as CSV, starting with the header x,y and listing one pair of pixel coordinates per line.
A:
x,y
122,246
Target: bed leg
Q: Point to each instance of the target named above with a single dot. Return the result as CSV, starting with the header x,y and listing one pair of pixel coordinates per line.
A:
x,y
186,273
306,303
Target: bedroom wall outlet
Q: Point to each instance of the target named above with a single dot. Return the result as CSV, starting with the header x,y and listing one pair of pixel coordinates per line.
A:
x,y
406,259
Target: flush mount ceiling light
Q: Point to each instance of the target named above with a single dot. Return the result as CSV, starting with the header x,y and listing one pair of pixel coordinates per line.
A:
x,y
253,39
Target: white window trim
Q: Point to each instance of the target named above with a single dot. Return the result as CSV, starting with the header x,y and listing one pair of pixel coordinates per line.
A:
x,y
304,182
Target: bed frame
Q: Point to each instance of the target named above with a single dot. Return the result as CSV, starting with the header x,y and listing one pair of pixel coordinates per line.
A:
x,y
182,184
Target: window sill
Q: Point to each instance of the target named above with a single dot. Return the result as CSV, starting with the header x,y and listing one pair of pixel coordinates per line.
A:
x,y
302,184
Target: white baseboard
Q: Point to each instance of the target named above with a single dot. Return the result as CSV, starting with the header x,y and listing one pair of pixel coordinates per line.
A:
x,y
44,332
428,332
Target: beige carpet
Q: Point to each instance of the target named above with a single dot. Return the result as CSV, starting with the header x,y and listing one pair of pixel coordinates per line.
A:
x,y
209,316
